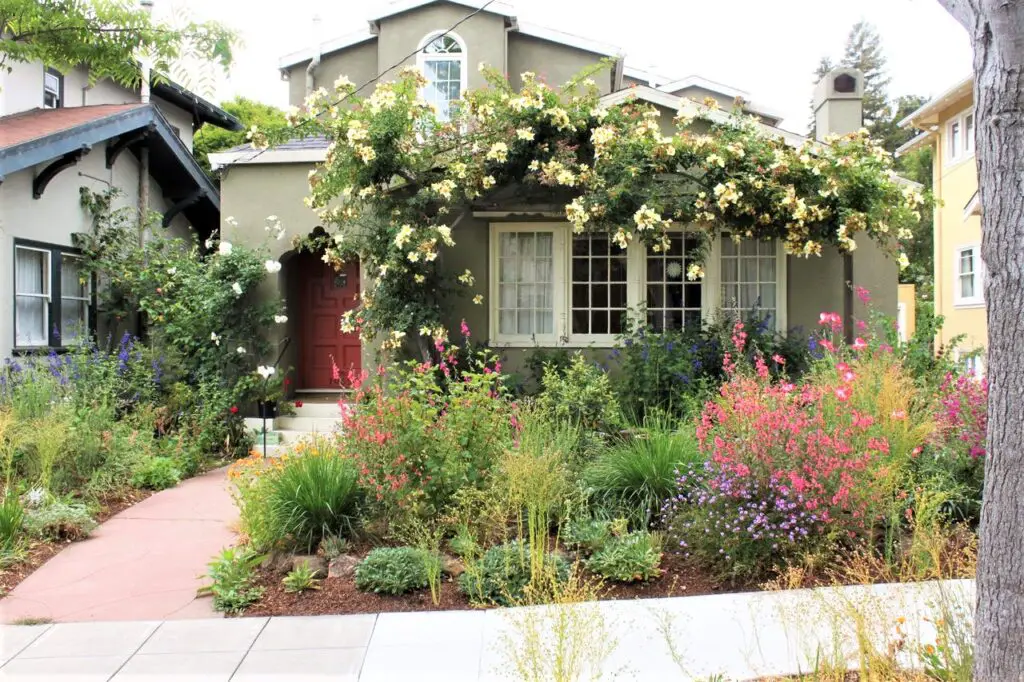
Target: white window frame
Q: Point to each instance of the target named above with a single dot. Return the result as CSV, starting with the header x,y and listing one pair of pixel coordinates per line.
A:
x,y
964,149
978,274
559,303
46,296
462,58
52,85
87,299
636,287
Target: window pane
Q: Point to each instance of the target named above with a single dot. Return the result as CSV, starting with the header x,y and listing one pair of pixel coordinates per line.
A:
x,y
966,286
31,271
768,269
594,300
71,276
525,283
30,321
748,270
969,132
74,320
730,270
768,297
668,290
599,322
599,296
954,139
580,320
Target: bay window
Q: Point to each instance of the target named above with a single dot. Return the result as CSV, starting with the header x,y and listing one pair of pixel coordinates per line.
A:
x,y
549,286
52,296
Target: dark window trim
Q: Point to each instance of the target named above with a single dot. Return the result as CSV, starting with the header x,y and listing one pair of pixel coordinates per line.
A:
x,y
54,313
60,85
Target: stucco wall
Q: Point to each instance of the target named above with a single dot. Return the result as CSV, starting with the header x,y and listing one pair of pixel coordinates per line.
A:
x,y
483,33
22,88
955,182
358,63
58,214
552,62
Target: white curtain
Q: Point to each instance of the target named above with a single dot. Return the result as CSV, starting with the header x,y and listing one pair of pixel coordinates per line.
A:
x,y
31,280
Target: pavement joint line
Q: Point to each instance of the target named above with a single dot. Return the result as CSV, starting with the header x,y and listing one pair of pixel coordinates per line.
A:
x,y
246,654
49,626
366,651
137,650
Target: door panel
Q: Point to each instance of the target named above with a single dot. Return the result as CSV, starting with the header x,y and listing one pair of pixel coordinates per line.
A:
x,y
326,295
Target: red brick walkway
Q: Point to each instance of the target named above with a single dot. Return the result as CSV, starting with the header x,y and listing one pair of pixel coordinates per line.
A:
x,y
145,563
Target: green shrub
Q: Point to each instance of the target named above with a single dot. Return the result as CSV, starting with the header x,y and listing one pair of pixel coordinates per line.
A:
x,y
307,497
463,543
628,558
157,473
502,575
301,578
580,394
56,520
634,478
333,547
588,535
232,580
12,515
392,570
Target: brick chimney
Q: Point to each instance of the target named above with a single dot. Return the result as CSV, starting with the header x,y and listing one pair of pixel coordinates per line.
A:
x,y
838,103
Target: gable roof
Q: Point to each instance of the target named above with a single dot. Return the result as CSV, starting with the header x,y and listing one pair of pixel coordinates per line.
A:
x,y
669,101
203,111
927,114
400,6
38,136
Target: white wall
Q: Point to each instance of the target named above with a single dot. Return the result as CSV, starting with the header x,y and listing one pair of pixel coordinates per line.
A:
x,y
177,117
58,214
21,89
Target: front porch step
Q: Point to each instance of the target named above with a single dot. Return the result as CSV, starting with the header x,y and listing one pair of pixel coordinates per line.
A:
x,y
308,424
329,410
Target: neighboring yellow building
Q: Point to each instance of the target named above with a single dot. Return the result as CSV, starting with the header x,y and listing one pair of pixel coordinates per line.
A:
x,y
947,124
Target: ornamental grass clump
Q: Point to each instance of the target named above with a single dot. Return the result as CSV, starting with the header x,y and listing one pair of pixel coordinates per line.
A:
x,y
797,469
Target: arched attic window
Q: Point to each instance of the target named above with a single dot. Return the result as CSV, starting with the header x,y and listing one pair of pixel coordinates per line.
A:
x,y
442,59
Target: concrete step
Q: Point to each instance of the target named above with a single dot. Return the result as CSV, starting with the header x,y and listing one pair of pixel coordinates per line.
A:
x,y
332,410
309,424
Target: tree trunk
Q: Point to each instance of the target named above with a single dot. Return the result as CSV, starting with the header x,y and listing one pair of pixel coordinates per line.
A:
x,y
997,34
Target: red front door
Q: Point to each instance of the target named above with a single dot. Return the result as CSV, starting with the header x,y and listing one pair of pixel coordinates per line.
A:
x,y
326,294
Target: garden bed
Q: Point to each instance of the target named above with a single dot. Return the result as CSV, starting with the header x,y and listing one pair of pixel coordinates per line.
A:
x,y
339,596
41,551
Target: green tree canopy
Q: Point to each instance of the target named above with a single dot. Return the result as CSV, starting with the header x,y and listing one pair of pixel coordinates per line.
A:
x,y
105,35
251,113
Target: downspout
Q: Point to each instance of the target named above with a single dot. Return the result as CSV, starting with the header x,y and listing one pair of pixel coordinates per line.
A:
x,y
315,62
144,97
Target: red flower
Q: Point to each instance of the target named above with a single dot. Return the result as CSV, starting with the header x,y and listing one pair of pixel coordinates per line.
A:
x,y
298,403
234,409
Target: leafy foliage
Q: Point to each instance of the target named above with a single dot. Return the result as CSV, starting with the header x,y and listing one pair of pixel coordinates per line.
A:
x,y
232,579
57,520
502,575
627,177
392,570
250,113
301,578
581,395
105,35
633,557
157,473
12,515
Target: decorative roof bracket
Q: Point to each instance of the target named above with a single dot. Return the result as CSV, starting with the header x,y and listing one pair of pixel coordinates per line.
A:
x,y
50,172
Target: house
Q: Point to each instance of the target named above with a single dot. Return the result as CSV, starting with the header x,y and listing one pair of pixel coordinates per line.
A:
x,y
60,133
947,125
543,285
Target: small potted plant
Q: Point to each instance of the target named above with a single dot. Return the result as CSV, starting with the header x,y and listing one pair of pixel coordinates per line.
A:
x,y
269,391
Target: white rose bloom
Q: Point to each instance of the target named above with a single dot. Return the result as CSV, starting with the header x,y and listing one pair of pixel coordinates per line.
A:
x,y
224,249
280,319
240,350
237,288
272,266
215,338
265,372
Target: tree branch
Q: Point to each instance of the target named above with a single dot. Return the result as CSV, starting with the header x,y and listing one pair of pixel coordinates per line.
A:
x,y
964,11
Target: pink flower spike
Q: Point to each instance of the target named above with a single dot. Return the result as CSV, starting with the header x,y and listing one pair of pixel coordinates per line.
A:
x,y
786,387
843,393
465,329
863,294
859,344
827,345
778,359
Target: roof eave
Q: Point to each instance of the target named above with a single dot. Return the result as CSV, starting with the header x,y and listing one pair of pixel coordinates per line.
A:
x,y
201,109
933,106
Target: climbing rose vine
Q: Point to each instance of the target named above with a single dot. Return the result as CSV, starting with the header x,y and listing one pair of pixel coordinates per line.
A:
x,y
398,178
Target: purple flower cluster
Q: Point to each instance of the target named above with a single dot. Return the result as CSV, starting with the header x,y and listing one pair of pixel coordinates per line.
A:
x,y
738,526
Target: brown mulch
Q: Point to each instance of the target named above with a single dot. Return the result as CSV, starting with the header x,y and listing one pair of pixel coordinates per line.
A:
x,y
41,551
339,596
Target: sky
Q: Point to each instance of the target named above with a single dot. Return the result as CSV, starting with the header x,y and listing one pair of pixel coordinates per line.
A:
x,y
769,48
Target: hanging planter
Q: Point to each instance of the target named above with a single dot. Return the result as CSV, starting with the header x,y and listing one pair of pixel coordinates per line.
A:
x,y
267,409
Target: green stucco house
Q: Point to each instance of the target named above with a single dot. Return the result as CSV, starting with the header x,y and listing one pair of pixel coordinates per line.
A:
x,y
543,286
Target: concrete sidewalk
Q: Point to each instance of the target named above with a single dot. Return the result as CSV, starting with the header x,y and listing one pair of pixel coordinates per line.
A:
x,y
739,636
145,563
